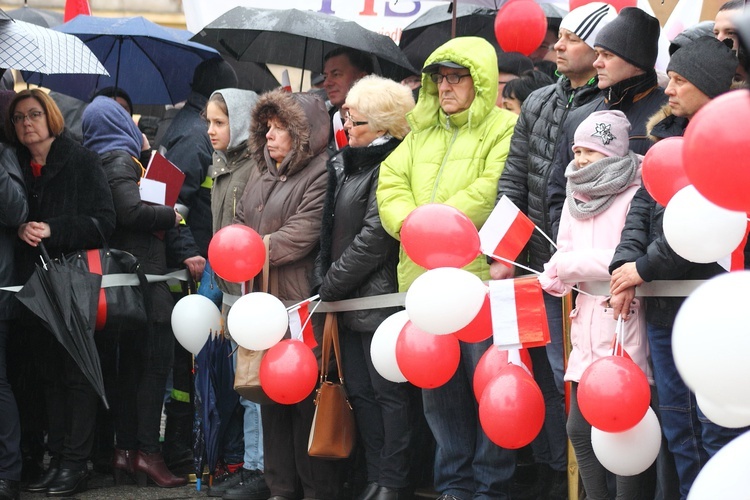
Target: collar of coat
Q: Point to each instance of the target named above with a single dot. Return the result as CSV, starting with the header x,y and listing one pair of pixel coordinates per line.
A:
x,y
622,95
358,160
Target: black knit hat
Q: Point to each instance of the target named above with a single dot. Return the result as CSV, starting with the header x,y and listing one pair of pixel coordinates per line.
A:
x,y
634,36
211,75
706,63
514,63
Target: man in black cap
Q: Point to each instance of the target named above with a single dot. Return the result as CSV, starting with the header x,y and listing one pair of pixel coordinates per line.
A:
x,y
510,65
698,71
186,144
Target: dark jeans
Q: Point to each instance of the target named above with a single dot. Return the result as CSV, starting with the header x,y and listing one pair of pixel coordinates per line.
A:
x,y
10,427
592,472
467,464
144,359
286,429
381,408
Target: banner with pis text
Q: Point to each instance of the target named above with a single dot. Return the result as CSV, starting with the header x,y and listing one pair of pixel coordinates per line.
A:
x,y
387,17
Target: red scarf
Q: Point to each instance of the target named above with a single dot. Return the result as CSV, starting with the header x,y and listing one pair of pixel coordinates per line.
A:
x,y
36,169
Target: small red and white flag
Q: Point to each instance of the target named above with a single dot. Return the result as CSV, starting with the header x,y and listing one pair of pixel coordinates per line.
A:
x,y
519,318
735,261
74,8
506,231
300,324
338,131
286,84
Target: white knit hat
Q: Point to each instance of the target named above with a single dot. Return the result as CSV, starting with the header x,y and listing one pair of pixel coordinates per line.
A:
x,y
587,20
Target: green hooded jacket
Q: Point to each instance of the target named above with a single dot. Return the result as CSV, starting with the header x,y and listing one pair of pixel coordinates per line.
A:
x,y
451,159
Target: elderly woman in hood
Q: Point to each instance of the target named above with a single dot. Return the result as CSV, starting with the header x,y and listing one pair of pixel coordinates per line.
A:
x,y
144,357
283,201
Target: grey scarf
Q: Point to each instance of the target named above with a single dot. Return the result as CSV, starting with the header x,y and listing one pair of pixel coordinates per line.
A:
x,y
601,181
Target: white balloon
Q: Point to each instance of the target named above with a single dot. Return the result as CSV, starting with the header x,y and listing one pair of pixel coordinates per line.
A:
x,y
710,341
726,474
629,452
699,230
444,300
257,321
194,317
383,347
723,414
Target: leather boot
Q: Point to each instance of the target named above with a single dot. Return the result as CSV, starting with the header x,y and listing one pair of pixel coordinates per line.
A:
x,y
40,484
178,434
151,466
122,466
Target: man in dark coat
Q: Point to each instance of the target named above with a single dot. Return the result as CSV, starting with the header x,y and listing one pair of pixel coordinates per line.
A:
x,y
186,144
524,180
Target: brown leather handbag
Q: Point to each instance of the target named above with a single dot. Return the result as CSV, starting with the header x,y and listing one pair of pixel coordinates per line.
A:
x,y
247,370
333,432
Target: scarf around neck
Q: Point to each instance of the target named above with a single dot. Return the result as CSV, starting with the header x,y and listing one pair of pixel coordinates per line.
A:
x,y
601,182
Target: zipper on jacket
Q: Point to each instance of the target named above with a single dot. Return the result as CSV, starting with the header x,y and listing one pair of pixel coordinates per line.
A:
x,y
442,165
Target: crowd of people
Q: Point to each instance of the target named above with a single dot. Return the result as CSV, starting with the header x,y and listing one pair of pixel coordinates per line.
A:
x,y
565,147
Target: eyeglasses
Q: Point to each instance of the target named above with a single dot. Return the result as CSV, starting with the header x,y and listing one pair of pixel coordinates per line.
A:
x,y
349,118
452,78
33,116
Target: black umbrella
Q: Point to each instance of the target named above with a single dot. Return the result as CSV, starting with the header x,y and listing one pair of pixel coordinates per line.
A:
x,y
65,299
40,17
299,39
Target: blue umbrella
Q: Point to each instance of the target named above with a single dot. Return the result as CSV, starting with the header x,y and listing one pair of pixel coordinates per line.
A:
x,y
215,400
154,65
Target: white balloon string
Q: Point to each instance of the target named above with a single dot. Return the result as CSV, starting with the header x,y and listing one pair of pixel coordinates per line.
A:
x,y
618,337
508,261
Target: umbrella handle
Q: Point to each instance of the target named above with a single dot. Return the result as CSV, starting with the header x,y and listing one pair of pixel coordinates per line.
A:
x,y
43,249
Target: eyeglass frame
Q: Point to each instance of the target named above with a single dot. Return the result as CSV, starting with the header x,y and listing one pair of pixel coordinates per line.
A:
x,y
348,118
437,78
33,116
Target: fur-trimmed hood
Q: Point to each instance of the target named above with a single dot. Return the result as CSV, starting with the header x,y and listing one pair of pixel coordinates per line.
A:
x,y
305,117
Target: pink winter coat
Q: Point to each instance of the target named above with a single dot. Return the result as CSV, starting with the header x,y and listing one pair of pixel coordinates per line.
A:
x,y
584,251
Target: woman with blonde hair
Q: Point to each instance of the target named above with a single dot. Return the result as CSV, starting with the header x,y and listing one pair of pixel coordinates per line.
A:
x,y
358,259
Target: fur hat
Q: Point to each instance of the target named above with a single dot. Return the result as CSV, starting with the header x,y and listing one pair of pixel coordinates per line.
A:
x,y
605,132
706,63
634,36
211,75
587,20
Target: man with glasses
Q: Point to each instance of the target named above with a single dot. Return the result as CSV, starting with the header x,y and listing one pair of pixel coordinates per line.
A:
x,y
453,155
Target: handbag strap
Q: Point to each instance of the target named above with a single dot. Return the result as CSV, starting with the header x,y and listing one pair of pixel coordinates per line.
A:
x,y
105,244
330,339
264,278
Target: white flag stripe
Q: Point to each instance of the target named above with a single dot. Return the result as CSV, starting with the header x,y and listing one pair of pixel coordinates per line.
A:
x,y
497,225
504,319
726,262
295,325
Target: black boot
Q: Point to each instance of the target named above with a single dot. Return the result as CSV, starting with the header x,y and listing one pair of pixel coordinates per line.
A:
x,y
178,434
40,484
9,490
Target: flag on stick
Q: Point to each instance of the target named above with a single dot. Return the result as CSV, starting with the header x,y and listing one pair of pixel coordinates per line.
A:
x,y
76,7
300,325
506,231
519,318
338,131
286,84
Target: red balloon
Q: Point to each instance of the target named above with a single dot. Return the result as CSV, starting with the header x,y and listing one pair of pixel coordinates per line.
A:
x,y
663,171
490,365
288,372
715,151
480,327
511,410
426,360
617,4
613,394
236,253
436,235
520,26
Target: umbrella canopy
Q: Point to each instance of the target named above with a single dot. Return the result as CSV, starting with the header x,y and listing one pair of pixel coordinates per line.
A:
x,y
29,47
40,17
65,299
151,63
433,28
215,397
298,38
4,16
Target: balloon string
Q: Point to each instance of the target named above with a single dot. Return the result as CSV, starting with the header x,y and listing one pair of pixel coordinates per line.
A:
x,y
508,261
619,337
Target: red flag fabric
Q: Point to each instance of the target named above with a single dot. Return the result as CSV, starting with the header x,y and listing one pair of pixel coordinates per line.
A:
x,y
76,7
338,131
519,318
300,325
736,260
506,231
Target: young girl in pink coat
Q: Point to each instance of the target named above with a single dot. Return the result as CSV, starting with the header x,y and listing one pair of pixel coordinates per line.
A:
x,y
602,179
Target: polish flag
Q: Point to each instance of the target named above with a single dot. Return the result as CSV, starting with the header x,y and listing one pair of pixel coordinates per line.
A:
x,y
519,318
735,261
300,325
76,7
338,131
286,84
506,231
